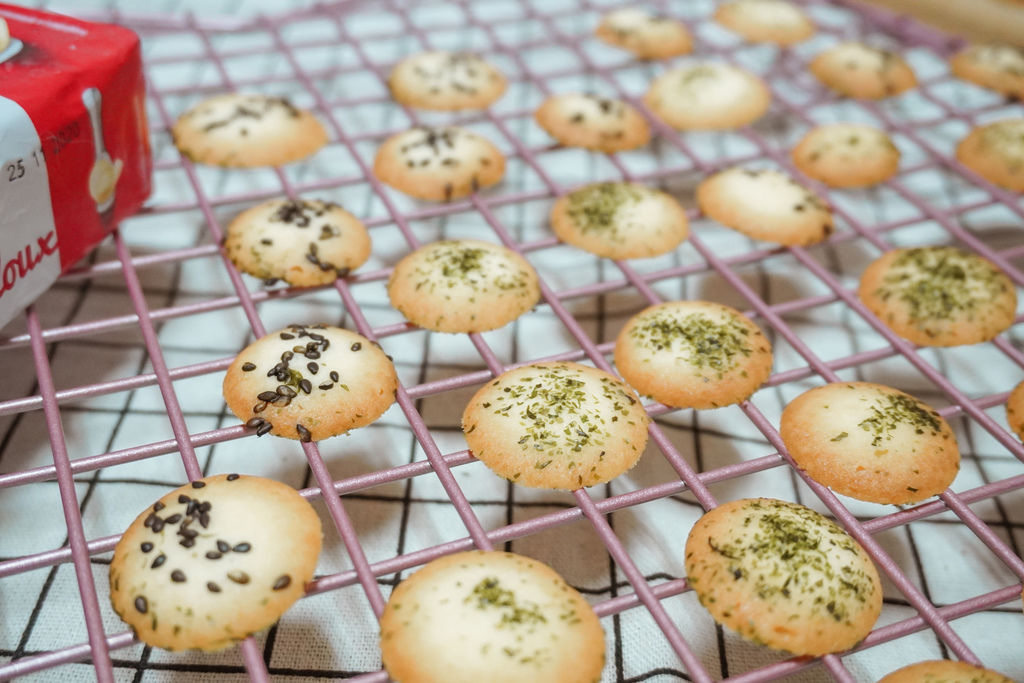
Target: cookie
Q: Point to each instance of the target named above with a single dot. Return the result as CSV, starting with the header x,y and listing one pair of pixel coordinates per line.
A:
x,y
245,130
592,122
309,382
693,354
708,96
1015,410
620,220
489,616
766,205
556,425
766,21
938,296
847,155
438,163
782,575
996,67
864,72
214,561
304,242
646,35
944,671
871,442
463,286
445,81
996,152
5,35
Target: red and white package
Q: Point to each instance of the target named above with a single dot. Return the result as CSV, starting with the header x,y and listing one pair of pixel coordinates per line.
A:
x,y
74,145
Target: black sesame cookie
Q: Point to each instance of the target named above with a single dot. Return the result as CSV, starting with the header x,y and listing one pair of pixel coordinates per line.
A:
x,y
309,382
847,155
245,130
438,164
693,354
1015,410
766,205
996,67
766,21
996,152
463,286
782,575
646,35
214,561
871,442
708,96
620,220
446,81
939,296
944,671
491,616
556,425
864,72
304,242
583,120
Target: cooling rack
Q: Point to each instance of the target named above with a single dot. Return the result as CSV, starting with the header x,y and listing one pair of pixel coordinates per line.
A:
x,y
111,391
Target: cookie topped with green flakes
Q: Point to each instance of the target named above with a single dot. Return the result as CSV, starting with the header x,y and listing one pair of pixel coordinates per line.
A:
x,y
446,81
993,66
847,155
708,96
995,151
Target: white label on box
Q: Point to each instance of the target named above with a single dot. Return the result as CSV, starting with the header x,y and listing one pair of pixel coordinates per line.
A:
x,y
29,253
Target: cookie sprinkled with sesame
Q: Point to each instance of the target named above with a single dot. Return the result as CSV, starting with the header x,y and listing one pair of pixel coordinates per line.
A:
x,y
847,155
592,122
766,21
995,151
862,71
645,34
996,67
446,81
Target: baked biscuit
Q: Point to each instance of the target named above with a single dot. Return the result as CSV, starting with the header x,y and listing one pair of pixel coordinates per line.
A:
x,y
582,120
5,35
944,671
708,96
304,242
1015,410
864,72
996,153
766,205
782,575
766,21
847,155
463,286
214,561
556,425
489,616
446,81
438,163
938,296
871,442
309,382
646,35
996,67
693,354
620,220
245,130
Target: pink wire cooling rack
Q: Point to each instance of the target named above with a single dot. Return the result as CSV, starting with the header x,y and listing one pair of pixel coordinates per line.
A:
x,y
112,384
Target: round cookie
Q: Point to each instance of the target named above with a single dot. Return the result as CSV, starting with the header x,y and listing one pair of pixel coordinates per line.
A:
x,y
438,163
620,220
214,561
996,152
782,575
996,67
938,296
1015,410
556,425
766,205
246,130
490,616
5,34
944,671
864,72
708,96
592,122
693,354
445,81
766,21
309,382
646,35
304,242
463,286
871,442
847,155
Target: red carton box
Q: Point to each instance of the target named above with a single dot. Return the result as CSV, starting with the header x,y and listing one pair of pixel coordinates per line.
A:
x,y
74,145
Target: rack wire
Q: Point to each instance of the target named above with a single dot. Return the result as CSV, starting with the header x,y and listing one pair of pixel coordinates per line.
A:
x,y
111,380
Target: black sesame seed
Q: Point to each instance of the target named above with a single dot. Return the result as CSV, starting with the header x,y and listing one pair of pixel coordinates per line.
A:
x,y
188,533
306,385
205,507
223,546
287,356
183,499
173,519
254,422
282,582
334,376
158,506
356,346
187,542
313,367
204,520
285,335
232,477
242,548
267,396
248,367
326,386
191,509
146,546
317,337
198,484
158,525
313,355
239,577
285,390
160,559
178,576
149,520
264,429
212,587
141,605
213,555
304,435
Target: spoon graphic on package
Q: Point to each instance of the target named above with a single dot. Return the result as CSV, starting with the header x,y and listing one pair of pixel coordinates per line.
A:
x,y
105,172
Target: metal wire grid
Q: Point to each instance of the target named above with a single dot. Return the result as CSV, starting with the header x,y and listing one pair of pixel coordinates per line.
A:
x,y
586,313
